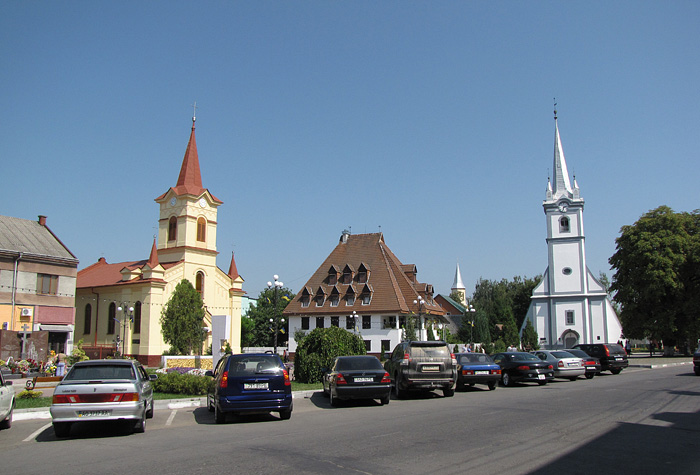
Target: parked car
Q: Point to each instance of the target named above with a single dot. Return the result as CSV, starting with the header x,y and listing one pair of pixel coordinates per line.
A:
x,y
422,365
612,356
592,364
7,402
250,383
565,364
518,366
477,368
101,390
696,362
357,377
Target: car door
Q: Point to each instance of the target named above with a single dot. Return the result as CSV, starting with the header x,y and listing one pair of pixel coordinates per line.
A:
x,y
146,385
6,393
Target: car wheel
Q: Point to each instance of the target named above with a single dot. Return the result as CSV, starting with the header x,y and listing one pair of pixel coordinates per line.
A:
x,y
697,371
61,429
210,406
492,386
219,416
448,392
507,380
616,370
7,422
149,412
385,399
573,378
590,375
140,425
541,383
286,415
397,388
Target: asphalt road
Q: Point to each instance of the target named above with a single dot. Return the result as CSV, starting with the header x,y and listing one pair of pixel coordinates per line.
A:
x,y
641,421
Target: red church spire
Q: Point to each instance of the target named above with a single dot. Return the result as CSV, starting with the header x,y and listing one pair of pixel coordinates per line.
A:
x,y
190,179
153,258
232,270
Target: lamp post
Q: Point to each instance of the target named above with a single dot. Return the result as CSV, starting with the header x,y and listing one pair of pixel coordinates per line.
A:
x,y
128,316
353,317
275,320
420,302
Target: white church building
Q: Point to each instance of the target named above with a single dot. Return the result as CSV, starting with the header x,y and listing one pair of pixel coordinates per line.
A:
x,y
569,306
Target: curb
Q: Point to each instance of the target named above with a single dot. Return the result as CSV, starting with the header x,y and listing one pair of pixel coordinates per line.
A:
x,y
660,365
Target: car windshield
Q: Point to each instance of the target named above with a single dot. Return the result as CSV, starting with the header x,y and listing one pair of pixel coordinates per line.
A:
x,y
525,357
427,351
562,354
364,362
100,372
474,358
246,365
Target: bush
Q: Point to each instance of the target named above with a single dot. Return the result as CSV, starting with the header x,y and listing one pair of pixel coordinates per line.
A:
x,y
78,354
320,347
499,346
176,383
29,394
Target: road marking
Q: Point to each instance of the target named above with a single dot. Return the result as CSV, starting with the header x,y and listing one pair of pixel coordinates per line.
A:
x,y
171,417
36,433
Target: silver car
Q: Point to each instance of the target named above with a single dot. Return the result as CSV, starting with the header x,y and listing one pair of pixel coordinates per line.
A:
x,y
565,364
101,390
7,403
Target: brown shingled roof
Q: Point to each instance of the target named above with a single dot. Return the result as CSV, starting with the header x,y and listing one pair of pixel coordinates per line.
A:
x,y
392,290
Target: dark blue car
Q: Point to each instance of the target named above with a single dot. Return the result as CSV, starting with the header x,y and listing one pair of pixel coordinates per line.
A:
x,y
477,368
250,383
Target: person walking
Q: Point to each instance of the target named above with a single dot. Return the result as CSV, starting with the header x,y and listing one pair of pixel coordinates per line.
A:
x,y
60,364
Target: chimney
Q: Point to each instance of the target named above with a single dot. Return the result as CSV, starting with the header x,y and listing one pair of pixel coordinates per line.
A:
x,y
344,236
42,220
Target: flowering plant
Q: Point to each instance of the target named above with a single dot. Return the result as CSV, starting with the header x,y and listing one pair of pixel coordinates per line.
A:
x,y
50,368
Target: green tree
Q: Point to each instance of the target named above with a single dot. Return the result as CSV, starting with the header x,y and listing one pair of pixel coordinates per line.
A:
x,y
409,329
457,297
247,331
531,340
657,277
320,347
268,306
181,319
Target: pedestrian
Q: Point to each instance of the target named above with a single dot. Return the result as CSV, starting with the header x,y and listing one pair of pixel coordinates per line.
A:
x,y
469,348
628,347
60,364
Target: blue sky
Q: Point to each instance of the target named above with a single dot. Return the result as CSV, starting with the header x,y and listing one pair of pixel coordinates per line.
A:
x,y
432,120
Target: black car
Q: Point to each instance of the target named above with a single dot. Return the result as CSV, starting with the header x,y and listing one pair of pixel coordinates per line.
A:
x,y
517,366
422,365
357,377
612,356
250,383
592,364
696,362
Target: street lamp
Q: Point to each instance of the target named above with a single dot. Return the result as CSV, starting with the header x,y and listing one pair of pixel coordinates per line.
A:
x,y
128,316
277,285
420,302
353,317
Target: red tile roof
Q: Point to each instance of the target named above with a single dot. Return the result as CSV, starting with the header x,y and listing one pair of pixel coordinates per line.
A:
x,y
102,274
393,291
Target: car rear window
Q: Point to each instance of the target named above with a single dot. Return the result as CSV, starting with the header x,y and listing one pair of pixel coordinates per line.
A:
x,y
101,372
243,365
525,357
562,354
428,351
616,349
474,358
368,362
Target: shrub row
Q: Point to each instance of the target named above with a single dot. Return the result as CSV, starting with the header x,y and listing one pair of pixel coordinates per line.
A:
x,y
319,348
176,383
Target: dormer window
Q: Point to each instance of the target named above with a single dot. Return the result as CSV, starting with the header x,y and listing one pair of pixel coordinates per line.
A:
x,y
564,224
335,297
350,296
305,298
320,297
332,276
362,274
347,276
366,295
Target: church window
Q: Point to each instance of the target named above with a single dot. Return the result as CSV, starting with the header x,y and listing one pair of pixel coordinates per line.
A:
x,y
137,317
87,323
172,229
570,317
564,224
111,318
199,283
201,230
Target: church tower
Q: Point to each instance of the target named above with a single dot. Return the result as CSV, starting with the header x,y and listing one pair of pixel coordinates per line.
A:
x,y
569,306
458,286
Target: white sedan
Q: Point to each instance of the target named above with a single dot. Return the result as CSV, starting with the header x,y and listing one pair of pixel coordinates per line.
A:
x,y
565,364
7,403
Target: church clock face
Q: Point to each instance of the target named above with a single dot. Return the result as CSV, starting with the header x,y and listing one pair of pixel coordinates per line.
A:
x,y
202,202
563,207
173,200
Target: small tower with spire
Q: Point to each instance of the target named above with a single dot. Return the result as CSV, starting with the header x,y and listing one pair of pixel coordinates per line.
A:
x,y
458,287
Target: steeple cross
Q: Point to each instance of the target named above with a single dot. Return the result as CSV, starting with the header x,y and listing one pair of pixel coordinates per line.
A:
x,y
194,111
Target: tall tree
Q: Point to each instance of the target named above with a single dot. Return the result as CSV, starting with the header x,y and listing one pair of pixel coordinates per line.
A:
x,y
498,299
182,318
269,306
657,278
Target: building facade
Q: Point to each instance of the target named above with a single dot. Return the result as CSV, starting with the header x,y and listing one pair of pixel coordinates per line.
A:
x,y
119,305
363,287
569,306
37,285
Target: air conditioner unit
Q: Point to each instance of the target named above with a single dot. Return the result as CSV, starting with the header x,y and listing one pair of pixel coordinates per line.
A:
x,y
26,312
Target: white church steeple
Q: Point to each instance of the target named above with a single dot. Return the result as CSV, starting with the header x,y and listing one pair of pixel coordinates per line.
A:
x,y
458,286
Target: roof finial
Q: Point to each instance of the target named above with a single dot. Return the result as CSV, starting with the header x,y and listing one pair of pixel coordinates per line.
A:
x,y
194,112
555,108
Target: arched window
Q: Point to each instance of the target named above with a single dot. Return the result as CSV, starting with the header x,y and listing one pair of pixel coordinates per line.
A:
x,y
564,224
199,283
137,317
201,229
172,229
112,314
87,323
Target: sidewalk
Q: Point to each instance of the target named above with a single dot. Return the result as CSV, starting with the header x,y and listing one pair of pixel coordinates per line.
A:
x,y
643,360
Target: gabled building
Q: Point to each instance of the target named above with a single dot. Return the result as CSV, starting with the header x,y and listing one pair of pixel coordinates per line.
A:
x,y
37,283
569,306
363,287
119,305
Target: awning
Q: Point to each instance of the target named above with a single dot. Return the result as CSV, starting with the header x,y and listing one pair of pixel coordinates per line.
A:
x,y
56,328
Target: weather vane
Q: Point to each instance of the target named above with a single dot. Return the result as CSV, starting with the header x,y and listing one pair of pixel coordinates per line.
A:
x,y
194,111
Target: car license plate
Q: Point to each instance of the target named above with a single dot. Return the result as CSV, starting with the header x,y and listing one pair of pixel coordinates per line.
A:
x,y
254,385
364,380
94,413
430,368
540,376
574,364
481,372
618,358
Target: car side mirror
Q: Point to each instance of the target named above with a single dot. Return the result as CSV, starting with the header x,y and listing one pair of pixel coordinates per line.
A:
x,y
152,377
8,383
324,370
209,373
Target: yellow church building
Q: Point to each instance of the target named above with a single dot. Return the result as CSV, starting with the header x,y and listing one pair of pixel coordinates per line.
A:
x,y
118,306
